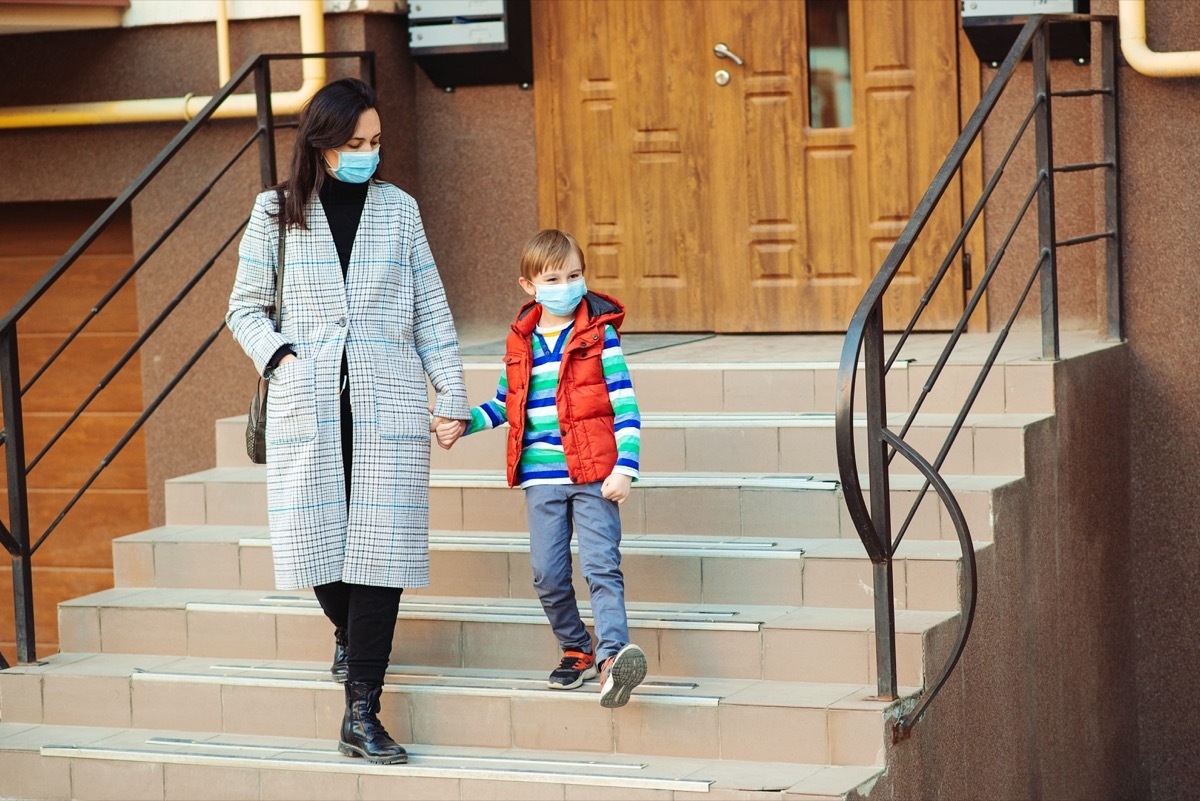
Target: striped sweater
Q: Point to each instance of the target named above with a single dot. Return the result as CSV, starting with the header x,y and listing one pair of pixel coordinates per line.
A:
x,y
542,458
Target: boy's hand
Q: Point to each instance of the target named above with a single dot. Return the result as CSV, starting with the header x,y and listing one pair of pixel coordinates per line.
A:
x,y
448,431
616,487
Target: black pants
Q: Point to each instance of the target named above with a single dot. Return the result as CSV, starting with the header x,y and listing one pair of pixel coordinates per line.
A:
x,y
368,614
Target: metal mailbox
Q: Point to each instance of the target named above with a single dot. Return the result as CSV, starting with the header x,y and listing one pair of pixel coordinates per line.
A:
x,y
992,27
472,42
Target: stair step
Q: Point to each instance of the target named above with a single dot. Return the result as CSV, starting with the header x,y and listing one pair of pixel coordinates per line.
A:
x,y
740,442
657,568
783,385
50,762
719,504
777,643
748,720
1018,383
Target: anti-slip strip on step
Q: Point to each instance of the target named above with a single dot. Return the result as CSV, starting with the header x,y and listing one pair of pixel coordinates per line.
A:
x,y
767,549
649,692
501,603
741,420
488,479
826,420
497,613
468,542
636,366
482,479
324,672
194,752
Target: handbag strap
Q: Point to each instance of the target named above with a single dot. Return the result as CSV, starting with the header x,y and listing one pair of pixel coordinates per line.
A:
x,y
279,261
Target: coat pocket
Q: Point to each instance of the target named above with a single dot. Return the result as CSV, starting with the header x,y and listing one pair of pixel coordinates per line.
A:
x,y
401,399
292,403
514,372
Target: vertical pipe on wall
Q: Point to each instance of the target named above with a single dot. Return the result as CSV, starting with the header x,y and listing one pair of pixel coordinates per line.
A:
x,y
1179,64
223,71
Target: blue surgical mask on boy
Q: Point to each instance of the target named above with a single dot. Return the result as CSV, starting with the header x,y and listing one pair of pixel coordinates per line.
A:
x,y
561,299
355,167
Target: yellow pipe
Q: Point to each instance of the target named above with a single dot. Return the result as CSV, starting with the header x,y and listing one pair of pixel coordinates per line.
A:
x,y
312,40
1179,64
222,43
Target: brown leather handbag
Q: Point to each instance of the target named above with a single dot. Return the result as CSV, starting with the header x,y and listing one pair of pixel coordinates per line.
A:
x,y
256,422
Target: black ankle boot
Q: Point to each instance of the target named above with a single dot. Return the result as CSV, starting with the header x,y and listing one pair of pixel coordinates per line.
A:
x,y
362,733
340,665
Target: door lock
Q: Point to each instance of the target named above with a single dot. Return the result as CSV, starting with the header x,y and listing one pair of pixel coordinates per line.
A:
x,y
721,77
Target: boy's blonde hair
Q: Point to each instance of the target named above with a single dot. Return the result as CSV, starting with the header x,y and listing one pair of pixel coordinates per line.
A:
x,y
548,250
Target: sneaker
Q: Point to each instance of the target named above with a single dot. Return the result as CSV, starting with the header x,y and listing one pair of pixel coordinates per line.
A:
x,y
620,674
575,667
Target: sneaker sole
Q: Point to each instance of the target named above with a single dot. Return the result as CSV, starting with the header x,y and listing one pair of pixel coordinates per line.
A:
x,y
628,671
590,673
353,751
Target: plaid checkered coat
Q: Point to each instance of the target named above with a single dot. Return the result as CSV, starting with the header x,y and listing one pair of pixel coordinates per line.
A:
x,y
390,316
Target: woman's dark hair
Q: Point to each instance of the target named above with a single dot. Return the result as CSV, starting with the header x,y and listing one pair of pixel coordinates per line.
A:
x,y
327,121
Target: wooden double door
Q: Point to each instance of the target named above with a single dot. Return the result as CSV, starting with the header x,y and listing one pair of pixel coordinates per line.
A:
x,y
716,202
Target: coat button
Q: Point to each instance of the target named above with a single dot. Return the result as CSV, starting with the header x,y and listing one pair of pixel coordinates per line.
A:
x,y
341,322
595,337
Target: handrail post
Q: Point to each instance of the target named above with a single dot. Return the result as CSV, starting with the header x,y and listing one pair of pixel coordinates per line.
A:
x,y
266,122
1112,179
18,500
1045,173
881,512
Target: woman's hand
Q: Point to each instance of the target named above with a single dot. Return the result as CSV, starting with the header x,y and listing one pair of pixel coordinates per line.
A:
x,y
616,487
448,431
287,358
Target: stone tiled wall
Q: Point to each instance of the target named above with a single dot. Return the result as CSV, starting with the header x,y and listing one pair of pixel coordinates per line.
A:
x,y
1153,574
1160,141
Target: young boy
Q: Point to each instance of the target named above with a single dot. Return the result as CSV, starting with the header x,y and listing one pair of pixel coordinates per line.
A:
x,y
573,446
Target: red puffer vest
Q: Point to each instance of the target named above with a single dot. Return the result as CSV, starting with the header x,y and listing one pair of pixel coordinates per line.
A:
x,y
585,415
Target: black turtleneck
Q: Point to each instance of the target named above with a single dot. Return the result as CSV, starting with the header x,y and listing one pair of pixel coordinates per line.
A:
x,y
343,204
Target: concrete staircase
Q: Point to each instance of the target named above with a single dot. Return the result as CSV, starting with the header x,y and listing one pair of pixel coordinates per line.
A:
x,y
748,590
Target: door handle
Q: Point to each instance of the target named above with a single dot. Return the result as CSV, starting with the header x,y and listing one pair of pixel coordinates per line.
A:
x,y
722,50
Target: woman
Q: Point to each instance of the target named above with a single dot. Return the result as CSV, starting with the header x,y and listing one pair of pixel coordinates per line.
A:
x,y
364,321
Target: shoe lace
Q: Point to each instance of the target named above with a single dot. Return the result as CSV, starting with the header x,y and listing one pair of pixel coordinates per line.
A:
x,y
573,660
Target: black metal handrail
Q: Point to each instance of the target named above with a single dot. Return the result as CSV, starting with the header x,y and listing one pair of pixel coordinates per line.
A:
x,y
17,538
865,334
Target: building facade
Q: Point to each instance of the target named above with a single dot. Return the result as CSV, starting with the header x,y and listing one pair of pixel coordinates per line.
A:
x,y
756,189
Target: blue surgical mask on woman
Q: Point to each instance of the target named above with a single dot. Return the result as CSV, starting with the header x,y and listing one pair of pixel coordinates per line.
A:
x,y
561,299
355,167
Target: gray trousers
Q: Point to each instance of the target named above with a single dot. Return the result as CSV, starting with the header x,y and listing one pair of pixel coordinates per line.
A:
x,y
554,511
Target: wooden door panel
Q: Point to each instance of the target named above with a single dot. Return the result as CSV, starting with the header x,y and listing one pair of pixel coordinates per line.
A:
x,y
666,148
628,138
756,162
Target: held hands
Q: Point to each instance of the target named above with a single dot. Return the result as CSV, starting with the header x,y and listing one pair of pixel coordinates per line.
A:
x,y
616,487
447,430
